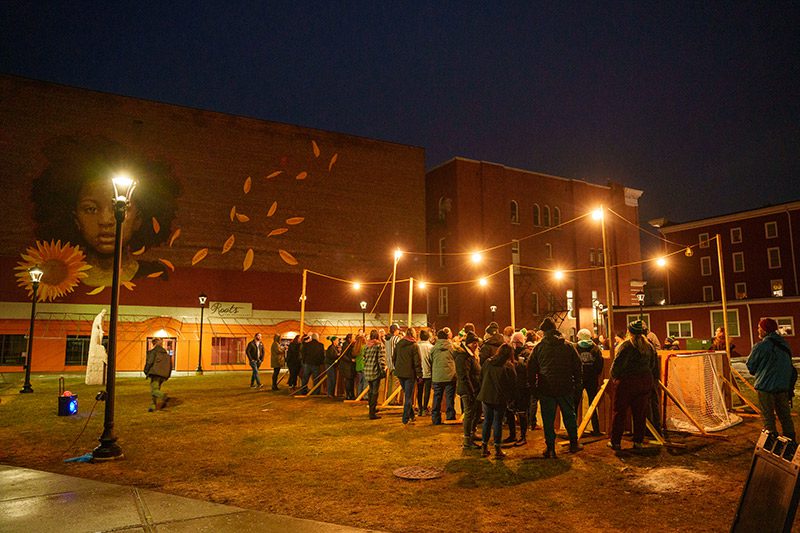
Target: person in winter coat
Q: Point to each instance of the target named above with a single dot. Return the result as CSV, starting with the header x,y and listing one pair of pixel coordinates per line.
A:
x,y
497,389
591,357
770,362
347,364
331,362
255,355
424,384
468,372
554,372
313,355
519,406
443,375
276,355
633,372
407,368
293,361
374,370
158,368
491,342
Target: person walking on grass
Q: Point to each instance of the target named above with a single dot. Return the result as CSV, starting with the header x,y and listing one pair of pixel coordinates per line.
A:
x,y
313,355
374,370
276,359
498,380
770,362
255,355
407,368
158,368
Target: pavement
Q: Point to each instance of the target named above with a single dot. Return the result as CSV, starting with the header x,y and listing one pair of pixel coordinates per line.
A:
x,y
35,501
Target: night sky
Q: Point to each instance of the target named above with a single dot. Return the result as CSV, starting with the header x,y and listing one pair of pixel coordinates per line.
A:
x,y
697,104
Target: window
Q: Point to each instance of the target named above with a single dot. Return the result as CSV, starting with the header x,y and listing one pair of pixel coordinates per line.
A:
x,y
600,258
228,350
591,256
546,221
738,261
679,330
776,286
634,318
77,351
733,321
741,290
708,293
774,257
11,349
537,215
441,251
514,212
515,256
551,303
771,230
705,266
444,304
548,250
785,325
736,235
703,237
556,216
570,303
445,204
535,302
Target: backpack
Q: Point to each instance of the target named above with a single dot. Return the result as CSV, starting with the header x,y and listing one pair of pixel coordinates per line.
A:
x,y
587,362
793,382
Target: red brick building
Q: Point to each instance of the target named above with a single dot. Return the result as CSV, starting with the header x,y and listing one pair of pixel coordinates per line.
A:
x,y
533,224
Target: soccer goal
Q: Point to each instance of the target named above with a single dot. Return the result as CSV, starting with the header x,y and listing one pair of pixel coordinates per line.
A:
x,y
695,379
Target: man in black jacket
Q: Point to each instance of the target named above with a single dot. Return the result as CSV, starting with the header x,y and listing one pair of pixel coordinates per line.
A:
x,y
157,367
468,372
407,368
255,355
491,342
313,355
554,373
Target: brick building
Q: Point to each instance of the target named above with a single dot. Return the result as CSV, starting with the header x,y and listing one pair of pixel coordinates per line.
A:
x,y
534,224
245,206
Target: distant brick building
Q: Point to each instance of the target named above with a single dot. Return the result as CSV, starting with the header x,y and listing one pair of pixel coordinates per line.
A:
x,y
475,205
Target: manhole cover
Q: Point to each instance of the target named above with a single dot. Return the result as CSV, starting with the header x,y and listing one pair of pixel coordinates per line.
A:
x,y
419,472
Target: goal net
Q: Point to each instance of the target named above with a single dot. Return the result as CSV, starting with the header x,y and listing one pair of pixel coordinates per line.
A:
x,y
695,379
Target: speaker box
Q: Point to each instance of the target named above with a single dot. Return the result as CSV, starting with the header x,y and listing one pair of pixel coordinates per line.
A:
x,y
68,405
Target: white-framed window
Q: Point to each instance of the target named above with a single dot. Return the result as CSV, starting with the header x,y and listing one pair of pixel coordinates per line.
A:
x,y
741,290
591,256
785,325
771,230
515,255
736,235
681,329
537,215
703,238
548,250
776,287
514,212
708,293
634,318
733,321
556,216
600,258
535,302
738,261
571,303
705,266
442,247
546,221
774,257
444,304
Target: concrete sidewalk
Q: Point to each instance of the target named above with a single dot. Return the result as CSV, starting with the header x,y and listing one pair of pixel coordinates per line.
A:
x,y
31,500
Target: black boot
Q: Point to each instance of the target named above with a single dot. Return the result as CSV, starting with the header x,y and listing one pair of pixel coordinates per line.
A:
x,y
574,445
498,452
468,444
550,452
485,450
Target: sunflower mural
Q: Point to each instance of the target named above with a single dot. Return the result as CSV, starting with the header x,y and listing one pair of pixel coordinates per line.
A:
x,y
64,266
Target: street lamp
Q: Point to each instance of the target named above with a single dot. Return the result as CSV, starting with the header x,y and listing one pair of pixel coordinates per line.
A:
x,y
109,449
640,298
363,305
493,309
36,274
202,298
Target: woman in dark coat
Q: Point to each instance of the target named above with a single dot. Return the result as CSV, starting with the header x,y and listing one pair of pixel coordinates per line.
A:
x,y
347,367
498,383
293,362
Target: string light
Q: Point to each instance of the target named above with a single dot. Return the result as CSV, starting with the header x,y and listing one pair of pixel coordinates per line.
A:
x,y
356,286
661,261
483,282
597,214
476,257
558,275
398,254
421,285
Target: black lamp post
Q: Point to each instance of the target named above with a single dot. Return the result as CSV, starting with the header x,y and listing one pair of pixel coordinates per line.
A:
x,y
640,297
202,298
109,449
36,274
493,309
363,317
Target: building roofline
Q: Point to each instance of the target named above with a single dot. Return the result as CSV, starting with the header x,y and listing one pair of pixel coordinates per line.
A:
x,y
732,217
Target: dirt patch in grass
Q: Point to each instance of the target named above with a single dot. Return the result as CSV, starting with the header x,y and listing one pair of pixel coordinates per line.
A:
x,y
321,459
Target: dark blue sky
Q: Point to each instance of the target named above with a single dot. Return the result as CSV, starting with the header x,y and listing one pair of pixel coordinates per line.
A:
x,y
697,103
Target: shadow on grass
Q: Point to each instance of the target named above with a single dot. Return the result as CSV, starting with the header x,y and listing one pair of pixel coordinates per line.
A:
x,y
482,472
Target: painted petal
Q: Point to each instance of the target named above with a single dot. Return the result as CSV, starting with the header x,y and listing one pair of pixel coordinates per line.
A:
x,y
140,251
333,160
247,184
294,220
278,231
276,173
303,175
168,264
315,148
98,290
156,225
155,274
128,285
228,244
248,259
272,209
233,212
242,218
175,235
287,257
199,256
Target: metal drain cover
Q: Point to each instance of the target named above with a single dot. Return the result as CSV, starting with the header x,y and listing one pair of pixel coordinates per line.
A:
x,y
419,472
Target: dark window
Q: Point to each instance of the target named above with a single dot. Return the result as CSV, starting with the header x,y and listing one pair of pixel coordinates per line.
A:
x,y
11,349
77,351
228,350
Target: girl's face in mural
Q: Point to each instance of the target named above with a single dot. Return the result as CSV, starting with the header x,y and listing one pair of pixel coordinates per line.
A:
x,y
94,215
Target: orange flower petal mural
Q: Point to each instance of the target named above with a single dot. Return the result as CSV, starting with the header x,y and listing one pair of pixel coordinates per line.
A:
x,y
140,251
156,225
242,218
333,161
248,259
128,285
247,184
287,257
275,174
272,209
228,244
174,236
294,220
233,212
315,148
168,264
199,256
303,175
278,231
155,274
97,290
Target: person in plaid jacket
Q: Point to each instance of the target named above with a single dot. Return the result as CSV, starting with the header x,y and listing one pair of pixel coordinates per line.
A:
x,y
374,370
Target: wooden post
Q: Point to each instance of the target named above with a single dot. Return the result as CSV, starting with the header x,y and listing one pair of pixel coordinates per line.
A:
x,y
511,294
726,366
303,303
410,299
607,271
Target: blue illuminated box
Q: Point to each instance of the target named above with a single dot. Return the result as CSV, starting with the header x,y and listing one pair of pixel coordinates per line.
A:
x,y
68,405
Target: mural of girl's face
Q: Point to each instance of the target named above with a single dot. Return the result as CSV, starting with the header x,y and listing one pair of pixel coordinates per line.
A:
x,y
94,215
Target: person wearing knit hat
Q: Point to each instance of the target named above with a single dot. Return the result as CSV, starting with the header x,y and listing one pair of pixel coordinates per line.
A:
x,y
635,371
491,343
591,357
770,362
547,325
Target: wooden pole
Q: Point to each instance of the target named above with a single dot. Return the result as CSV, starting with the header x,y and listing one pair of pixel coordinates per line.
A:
x,y
303,303
607,272
725,373
410,299
511,295
391,297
